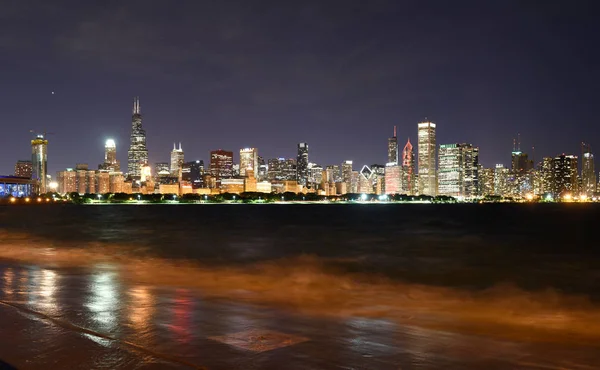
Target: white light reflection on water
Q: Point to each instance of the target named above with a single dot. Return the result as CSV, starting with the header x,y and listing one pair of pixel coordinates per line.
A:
x,y
8,278
141,308
47,291
371,337
104,300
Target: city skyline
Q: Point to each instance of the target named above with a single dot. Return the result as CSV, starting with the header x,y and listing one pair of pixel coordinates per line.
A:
x,y
341,85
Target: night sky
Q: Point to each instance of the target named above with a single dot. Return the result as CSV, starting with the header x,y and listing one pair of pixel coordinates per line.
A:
x,y
270,74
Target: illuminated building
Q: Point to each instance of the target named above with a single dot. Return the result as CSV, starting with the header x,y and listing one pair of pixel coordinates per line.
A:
x,y
234,186
176,161
302,164
426,159
458,173
393,148
161,169
137,156
116,183
393,178
23,169
408,181
501,175
145,173
193,172
588,174
520,164
110,157
263,187
248,160
263,169
564,168
67,181
449,173
249,181
281,169
315,174
39,162
486,181
547,176
17,186
365,182
378,178
221,165
347,175
333,173
354,180
103,182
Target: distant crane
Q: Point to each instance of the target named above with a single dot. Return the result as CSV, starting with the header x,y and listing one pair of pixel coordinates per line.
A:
x,y
42,134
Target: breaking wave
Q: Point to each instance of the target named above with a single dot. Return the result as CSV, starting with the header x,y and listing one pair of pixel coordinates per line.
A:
x,y
319,286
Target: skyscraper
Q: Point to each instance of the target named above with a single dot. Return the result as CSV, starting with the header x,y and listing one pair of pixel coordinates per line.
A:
x,y
427,168
588,174
393,148
221,165
194,173
347,175
39,161
248,160
137,156
23,169
458,173
520,163
547,176
393,175
449,173
302,164
110,157
565,175
408,183
176,160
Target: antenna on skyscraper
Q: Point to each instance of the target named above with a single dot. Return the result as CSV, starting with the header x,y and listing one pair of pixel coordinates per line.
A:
x,y
519,142
394,131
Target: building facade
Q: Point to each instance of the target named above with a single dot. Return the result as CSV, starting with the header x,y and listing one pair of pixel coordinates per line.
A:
x,y
39,162
23,169
393,148
302,164
221,165
408,184
564,168
393,178
137,156
110,157
427,158
248,160
177,160
588,172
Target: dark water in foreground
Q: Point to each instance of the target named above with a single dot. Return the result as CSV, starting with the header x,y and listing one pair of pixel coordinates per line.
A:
x,y
470,247
518,272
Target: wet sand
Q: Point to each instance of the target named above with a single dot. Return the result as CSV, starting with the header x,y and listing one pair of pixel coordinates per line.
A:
x,y
94,319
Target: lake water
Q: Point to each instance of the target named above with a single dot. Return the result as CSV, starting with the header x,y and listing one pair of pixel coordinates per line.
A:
x,y
505,271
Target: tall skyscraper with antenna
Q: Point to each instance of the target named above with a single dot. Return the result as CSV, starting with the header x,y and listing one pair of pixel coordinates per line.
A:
x,y
137,156
177,160
393,148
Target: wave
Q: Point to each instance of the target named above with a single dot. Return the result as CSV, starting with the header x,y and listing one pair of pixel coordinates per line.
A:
x,y
314,285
